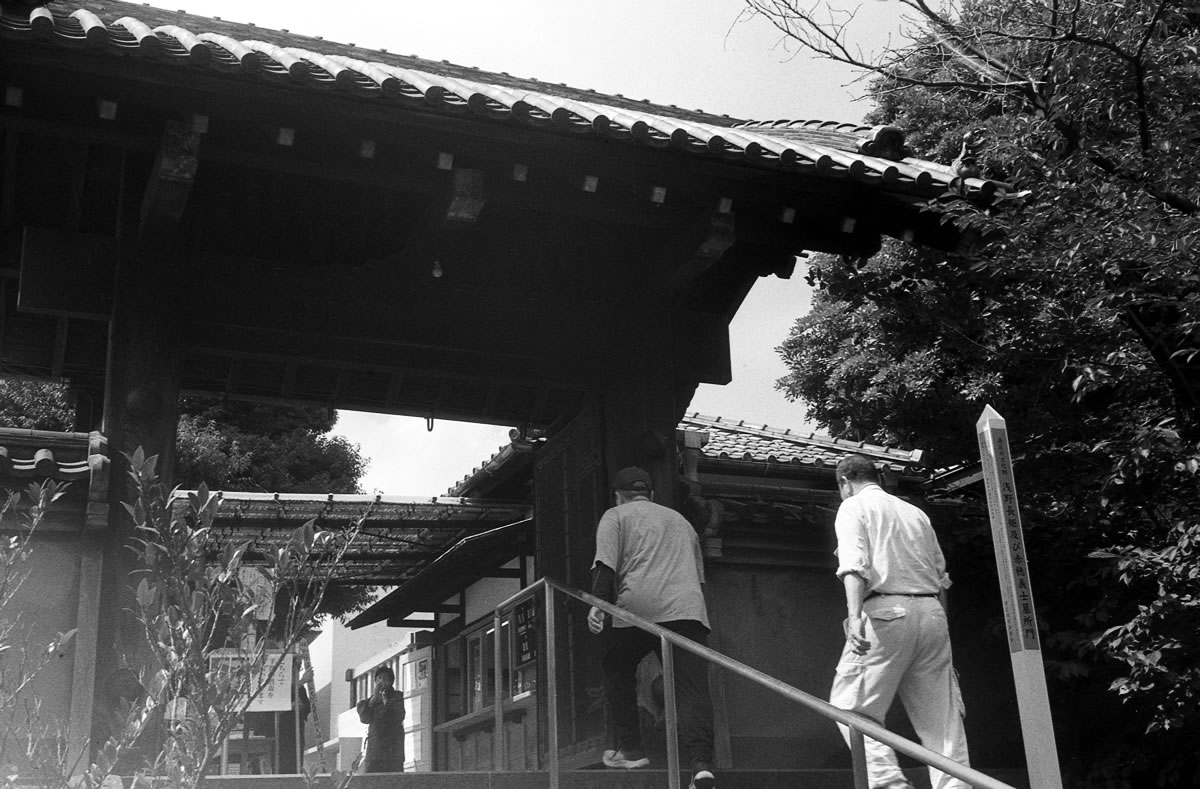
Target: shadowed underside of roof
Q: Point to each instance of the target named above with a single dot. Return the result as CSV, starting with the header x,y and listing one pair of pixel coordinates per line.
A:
x,y
463,564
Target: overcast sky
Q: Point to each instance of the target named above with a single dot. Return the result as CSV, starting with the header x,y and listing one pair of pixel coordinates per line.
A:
x,y
699,54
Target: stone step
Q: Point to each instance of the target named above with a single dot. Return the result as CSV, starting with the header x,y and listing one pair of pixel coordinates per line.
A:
x,y
583,779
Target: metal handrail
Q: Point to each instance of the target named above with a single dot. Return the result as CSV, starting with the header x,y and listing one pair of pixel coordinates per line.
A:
x,y
859,725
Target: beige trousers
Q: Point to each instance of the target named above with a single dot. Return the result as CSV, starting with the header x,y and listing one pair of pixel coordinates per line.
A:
x,y
910,657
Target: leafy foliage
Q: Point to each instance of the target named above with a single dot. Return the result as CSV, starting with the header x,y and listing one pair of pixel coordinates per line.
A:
x,y
213,627
218,623
34,405
24,735
1079,325
277,449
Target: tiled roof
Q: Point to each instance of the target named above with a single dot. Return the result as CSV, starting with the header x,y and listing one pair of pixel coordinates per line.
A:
x,y
414,84
42,454
397,537
730,439
736,440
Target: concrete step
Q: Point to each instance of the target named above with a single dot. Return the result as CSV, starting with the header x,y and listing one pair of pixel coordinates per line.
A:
x,y
584,779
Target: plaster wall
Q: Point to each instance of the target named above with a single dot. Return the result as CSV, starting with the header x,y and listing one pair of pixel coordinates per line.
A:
x,y
785,621
483,595
45,604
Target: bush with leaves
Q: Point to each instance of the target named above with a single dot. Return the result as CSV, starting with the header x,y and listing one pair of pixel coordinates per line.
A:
x,y
217,626
29,741
219,622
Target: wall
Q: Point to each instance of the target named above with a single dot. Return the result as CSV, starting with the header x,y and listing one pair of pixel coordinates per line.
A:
x,y
484,594
786,622
45,605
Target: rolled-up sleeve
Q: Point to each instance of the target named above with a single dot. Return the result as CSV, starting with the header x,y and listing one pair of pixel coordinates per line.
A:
x,y
608,542
939,562
853,543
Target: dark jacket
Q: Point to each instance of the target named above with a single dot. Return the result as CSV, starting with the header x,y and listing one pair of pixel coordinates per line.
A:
x,y
385,732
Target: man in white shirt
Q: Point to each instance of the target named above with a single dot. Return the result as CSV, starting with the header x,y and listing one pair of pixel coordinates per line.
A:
x,y
648,562
897,639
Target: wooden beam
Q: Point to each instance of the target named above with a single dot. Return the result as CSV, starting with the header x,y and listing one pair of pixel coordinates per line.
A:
x,y
88,624
170,183
78,157
502,572
417,623
60,346
289,380
717,235
467,198
8,189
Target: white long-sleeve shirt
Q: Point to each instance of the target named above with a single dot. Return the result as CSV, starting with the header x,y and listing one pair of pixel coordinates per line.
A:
x,y
889,543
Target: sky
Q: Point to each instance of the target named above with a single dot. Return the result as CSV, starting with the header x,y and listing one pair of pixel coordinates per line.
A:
x,y
698,54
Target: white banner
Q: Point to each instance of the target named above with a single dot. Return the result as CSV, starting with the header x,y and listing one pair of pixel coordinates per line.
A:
x,y
277,694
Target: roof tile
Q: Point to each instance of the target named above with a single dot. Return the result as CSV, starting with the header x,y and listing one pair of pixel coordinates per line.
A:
x,y
824,147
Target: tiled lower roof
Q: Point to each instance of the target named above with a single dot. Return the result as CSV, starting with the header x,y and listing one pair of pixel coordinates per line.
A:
x,y
398,535
44,454
410,83
732,439
736,440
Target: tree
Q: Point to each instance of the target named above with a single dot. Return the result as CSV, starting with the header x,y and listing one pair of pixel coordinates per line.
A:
x,y
1078,323
271,448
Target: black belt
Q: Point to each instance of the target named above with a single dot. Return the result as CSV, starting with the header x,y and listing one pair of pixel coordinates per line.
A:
x,y
901,594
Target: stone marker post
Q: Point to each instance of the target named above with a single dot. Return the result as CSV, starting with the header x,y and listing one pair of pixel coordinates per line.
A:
x,y
1037,730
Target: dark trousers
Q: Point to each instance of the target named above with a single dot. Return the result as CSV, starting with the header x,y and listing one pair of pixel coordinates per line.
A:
x,y
626,648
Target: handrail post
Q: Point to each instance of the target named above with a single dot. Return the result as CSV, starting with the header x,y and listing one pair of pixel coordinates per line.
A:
x,y
498,754
858,757
668,661
551,689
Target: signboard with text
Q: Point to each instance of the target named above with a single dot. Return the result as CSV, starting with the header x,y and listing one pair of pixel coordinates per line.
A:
x,y
277,693
525,615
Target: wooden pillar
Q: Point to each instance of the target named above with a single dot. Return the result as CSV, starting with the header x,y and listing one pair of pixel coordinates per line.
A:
x,y
142,380
639,401
140,410
88,628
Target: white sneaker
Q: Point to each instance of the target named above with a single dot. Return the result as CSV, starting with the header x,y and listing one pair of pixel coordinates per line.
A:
x,y
625,760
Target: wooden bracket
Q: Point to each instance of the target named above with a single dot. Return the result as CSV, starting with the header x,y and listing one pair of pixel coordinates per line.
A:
x,y
467,198
718,236
170,183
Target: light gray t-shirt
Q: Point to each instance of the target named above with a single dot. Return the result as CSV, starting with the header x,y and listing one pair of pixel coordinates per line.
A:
x,y
656,556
